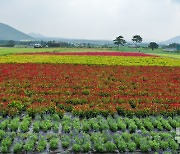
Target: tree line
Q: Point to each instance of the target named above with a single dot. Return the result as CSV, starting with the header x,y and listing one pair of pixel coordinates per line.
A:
x,y
120,41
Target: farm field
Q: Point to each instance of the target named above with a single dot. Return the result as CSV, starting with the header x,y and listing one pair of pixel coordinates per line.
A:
x,y
83,101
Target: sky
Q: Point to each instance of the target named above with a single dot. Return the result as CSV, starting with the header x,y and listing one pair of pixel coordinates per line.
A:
x,y
154,20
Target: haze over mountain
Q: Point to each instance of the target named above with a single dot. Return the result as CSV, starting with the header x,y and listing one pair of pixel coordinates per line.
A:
x,y
9,33
172,40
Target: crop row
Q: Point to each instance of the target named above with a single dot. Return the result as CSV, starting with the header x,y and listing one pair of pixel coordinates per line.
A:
x,y
87,91
111,134
91,60
134,54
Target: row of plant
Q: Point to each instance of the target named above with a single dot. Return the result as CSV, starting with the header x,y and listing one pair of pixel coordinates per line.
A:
x,y
87,91
134,54
51,123
92,60
67,133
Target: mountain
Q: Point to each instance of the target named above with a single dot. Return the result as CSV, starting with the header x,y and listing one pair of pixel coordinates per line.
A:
x,y
9,33
172,40
40,37
35,35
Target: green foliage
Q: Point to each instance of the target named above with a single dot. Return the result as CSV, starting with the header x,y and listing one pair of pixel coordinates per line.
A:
x,y
54,143
29,146
14,124
46,125
131,146
65,141
2,134
122,146
110,146
76,147
36,126
18,147
41,144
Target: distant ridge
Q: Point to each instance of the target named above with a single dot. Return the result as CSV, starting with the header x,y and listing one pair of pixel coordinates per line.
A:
x,y
172,40
9,33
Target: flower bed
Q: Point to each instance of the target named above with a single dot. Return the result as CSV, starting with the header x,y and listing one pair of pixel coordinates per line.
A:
x,y
87,91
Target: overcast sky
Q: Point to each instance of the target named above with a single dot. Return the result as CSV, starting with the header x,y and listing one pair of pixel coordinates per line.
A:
x,y
94,19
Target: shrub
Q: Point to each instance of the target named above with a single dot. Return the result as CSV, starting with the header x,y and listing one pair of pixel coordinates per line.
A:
x,y
2,134
164,145
173,145
18,147
41,145
76,147
131,146
4,124
86,126
132,127
144,146
86,147
46,125
36,126
54,143
99,146
110,146
65,141
14,124
122,146
56,127
29,146
154,145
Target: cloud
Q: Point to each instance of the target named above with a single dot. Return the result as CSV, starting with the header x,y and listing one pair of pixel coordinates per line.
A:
x,y
94,19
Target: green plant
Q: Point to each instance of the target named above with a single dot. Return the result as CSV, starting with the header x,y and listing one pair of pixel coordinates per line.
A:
x,y
54,143
131,146
76,147
29,146
41,144
132,127
110,146
126,136
164,145
55,117
36,126
14,124
56,127
2,134
86,126
18,147
46,125
86,147
65,141
144,146
122,146
154,145
4,124
173,145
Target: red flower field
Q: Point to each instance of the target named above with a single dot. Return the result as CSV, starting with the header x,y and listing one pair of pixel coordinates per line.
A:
x,y
134,54
83,88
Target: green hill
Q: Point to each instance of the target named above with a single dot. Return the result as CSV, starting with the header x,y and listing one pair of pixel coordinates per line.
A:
x,y
9,33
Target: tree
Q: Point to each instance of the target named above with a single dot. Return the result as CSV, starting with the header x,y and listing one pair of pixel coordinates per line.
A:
x,y
153,45
137,39
119,41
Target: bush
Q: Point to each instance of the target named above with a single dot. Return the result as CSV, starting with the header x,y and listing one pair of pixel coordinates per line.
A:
x,y
173,145
18,147
110,146
76,147
122,146
65,141
29,146
164,145
54,143
154,145
36,126
41,145
86,147
131,146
